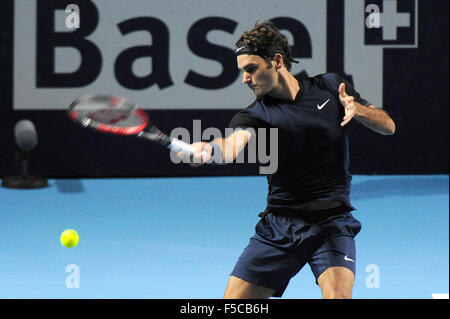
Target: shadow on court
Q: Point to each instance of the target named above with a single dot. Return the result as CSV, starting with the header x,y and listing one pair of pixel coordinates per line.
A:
x,y
401,186
69,186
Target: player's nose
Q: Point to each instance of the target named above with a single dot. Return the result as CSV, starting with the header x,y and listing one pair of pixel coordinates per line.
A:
x,y
246,78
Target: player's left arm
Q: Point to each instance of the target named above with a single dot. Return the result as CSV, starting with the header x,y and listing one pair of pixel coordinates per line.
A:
x,y
370,116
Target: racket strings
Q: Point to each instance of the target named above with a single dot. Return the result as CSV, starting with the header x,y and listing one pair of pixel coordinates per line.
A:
x,y
109,116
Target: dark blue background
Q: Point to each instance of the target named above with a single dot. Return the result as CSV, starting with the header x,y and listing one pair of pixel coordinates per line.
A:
x,y
415,94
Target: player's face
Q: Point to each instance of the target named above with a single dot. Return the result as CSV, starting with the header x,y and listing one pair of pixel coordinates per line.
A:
x,y
256,74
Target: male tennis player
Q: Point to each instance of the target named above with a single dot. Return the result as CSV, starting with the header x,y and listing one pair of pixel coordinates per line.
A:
x,y
308,216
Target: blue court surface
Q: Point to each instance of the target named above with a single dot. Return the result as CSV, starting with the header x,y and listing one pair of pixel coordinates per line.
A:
x,y
180,237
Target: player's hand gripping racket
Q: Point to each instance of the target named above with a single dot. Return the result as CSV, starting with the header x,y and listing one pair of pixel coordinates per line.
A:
x,y
115,115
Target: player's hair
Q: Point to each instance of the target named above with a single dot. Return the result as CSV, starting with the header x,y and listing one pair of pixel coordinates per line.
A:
x,y
266,37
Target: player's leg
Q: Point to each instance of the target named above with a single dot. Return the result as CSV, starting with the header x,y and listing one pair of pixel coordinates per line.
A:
x,y
333,265
241,289
336,283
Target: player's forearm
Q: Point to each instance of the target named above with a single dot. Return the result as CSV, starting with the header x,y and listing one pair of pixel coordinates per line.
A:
x,y
375,119
231,146
228,149
219,149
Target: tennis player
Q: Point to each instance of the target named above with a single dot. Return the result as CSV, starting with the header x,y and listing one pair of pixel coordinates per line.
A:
x,y
308,218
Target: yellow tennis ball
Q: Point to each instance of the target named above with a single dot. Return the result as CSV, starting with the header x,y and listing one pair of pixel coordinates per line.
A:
x,y
69,238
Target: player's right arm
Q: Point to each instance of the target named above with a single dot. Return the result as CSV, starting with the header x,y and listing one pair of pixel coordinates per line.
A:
x,y
226,150
222,150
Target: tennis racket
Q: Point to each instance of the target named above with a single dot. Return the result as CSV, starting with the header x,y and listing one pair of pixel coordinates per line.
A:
x,y
115,115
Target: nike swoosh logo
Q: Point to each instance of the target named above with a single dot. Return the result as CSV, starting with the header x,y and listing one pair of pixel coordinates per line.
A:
x,y
348,259
321,106
239,49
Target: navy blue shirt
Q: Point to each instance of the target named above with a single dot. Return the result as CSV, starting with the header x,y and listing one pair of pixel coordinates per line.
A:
x,y
313,155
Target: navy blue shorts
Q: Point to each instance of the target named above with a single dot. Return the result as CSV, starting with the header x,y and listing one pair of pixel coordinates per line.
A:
x,y
282,245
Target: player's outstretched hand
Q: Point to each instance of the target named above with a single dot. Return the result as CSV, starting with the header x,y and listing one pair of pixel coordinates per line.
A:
x,y
348,103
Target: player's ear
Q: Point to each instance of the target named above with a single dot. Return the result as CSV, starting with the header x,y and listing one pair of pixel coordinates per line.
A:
x,y
278,58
